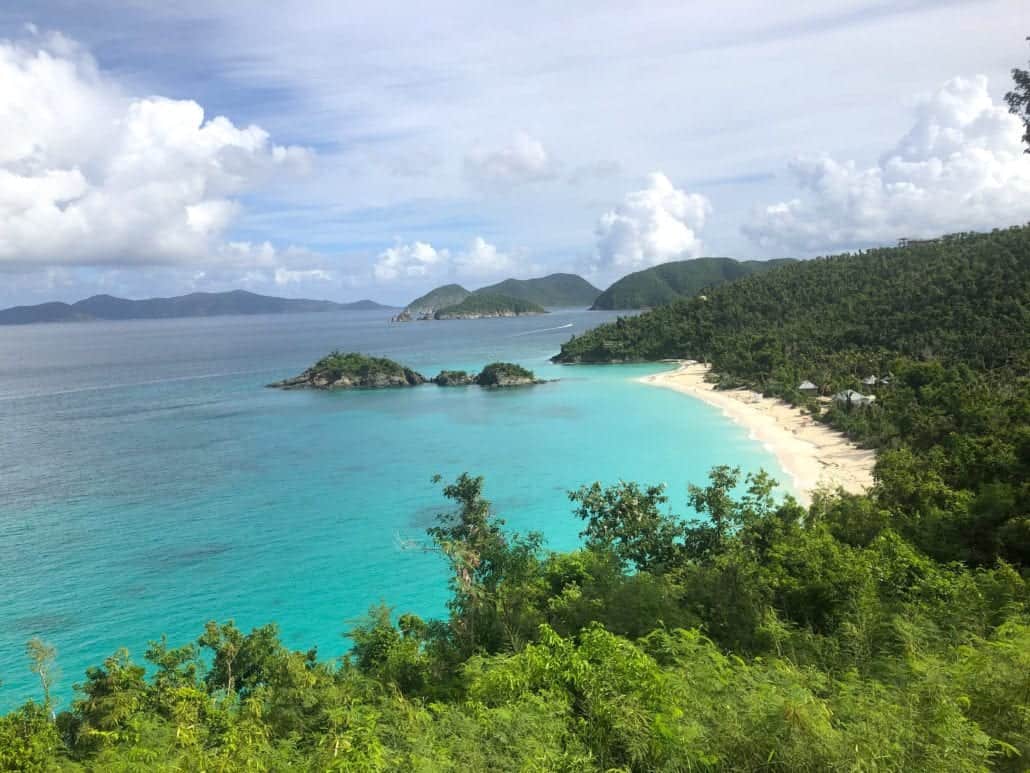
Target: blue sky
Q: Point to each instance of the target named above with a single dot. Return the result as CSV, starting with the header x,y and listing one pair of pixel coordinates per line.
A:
x,y
347,150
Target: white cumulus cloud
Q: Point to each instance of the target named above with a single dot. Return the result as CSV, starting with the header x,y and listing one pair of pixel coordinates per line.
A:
x,y
960,167
482,259
90,176
417,260
409,260
524,160
654,225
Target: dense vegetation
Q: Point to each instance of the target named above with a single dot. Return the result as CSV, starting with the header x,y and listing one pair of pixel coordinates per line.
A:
x,y
361,369
555,291
437,298
889,631
505,374
765,638
487,305
681,279
948,323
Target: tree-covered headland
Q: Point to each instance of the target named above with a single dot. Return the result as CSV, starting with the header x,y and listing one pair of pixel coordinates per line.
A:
x,y
943,329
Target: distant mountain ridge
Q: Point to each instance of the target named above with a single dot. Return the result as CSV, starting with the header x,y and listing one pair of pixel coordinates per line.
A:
x,y
234,302
670,282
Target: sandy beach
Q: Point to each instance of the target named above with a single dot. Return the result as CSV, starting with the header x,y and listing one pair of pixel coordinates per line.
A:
x,y
813,455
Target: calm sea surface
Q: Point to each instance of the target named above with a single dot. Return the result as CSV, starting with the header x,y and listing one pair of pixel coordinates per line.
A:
x,y
149,482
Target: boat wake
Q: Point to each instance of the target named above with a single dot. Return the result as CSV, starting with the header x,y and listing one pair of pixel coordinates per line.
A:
x,y
541,330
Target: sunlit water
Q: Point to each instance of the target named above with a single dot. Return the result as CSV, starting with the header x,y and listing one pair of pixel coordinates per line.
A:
x,y
149,482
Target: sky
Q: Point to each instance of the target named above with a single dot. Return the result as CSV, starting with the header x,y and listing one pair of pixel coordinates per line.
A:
x,y
349,150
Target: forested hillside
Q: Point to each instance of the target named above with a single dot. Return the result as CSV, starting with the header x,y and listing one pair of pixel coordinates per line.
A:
x,y
720,629
963,298
946,323
555,291
670,282
488,305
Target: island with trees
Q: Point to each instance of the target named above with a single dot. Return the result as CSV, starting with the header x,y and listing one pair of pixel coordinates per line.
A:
x,y
512,297
352,370
478,306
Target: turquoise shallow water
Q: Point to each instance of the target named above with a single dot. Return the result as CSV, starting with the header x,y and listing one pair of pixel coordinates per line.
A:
x,y
148,481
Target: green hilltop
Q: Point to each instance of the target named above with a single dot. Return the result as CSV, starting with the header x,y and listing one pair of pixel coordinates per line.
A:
x,y
670,282
488,305
437,298
555,291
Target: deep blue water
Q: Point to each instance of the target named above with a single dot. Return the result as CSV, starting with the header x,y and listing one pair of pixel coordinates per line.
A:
x,y
149,482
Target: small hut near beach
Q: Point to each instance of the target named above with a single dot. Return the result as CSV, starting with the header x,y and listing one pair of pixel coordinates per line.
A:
x,y
852,399
808,388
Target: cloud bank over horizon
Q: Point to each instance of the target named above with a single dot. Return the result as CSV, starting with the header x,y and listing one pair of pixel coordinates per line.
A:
x,y
92,177
155,150
960,167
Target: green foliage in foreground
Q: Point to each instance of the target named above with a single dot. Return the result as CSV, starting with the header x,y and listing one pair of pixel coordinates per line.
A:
x,y
764,638
488,304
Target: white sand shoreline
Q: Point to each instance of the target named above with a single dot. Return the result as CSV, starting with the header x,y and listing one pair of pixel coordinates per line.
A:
x,y
812,454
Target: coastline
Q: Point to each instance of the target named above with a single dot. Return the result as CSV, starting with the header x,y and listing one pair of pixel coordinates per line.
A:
x,y
812,454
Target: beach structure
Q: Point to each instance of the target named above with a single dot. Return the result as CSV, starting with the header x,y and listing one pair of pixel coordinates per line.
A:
x,y
808,388
875,381
852,399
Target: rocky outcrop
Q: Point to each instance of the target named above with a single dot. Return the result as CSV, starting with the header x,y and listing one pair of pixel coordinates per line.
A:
x,y
448,378
353,371
311,379
506,374
358,371
444,314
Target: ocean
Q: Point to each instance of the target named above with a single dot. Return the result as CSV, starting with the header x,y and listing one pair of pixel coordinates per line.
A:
x,y
149,482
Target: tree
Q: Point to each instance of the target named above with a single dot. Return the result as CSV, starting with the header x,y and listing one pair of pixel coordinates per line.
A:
x,y
1019,101
626,519
242,662
482,557
41,663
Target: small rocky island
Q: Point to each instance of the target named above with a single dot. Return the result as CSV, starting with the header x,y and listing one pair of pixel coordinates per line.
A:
x,y
470,306
351,370
478,306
